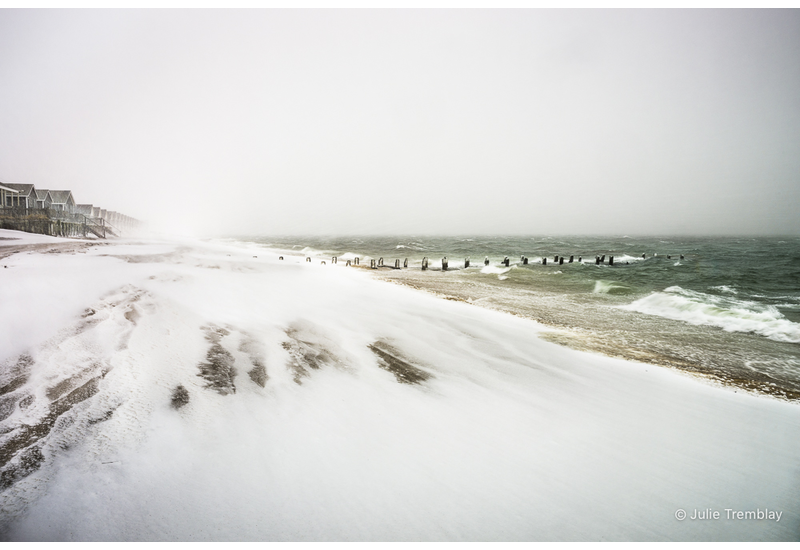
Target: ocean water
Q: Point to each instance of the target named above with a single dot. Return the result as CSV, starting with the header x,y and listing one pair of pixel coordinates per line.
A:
x,y
724,308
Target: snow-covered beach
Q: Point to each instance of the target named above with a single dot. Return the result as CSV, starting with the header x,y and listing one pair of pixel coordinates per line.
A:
x,y
326,405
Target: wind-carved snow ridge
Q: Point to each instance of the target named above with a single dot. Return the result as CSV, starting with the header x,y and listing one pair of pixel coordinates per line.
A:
x,y
218,369
309,350
392,360
253,349
52,397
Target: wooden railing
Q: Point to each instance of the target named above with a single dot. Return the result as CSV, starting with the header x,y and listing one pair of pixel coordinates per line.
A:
x,y
57,223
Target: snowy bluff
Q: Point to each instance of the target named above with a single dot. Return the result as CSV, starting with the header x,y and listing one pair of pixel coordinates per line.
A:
x,y
181,390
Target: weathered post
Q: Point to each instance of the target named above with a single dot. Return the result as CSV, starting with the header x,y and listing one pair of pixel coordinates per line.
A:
x,y
506,261
372,264
280,257
466,263
486,261
347,264
669,257
356,260
308,259
611,260
681,256
571,258
561,260
524,260
580,259
334,260
424,263
555,259
597,260
603,259
544,260
405,262
444,263
322,262
643,256
397,264
380,262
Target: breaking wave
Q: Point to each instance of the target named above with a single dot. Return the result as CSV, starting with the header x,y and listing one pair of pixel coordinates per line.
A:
x,y
725,312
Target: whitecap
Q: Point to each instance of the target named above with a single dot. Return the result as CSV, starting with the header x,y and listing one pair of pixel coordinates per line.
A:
x,y
725,288
607,287
725,312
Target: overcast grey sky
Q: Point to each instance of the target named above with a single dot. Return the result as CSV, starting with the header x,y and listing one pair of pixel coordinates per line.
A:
x,y
420,121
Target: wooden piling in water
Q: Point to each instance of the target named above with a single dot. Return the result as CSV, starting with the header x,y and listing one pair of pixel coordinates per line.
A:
x,y
597,260
611,260
308,259
373,264
356,261
380,262
580,259
444,263
544,260
466,263
506,261
424,263
571,258
486,261
280,257
405,263
561,260
334,260
347,264
397,264
524,260
603,259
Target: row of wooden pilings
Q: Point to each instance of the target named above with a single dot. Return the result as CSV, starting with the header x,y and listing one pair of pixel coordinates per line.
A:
x,y
557,260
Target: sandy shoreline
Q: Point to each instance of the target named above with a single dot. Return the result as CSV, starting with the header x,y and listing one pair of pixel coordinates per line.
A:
x,y
321,404
570,330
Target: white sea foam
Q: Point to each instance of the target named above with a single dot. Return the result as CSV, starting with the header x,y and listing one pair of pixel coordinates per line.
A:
x,y
725,312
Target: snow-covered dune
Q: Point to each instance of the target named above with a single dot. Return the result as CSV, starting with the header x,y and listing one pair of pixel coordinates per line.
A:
x,y
194,391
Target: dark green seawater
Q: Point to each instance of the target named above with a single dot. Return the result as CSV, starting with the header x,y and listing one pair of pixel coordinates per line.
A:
x,y
728,309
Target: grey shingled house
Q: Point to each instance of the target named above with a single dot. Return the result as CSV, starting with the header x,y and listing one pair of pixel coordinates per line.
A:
x,y
25,197
62,201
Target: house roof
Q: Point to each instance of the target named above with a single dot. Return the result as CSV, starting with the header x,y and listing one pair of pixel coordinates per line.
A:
x,y
41,194
4,188
25,189
61,197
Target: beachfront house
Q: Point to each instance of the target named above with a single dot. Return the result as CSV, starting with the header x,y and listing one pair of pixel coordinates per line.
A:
x,y
7,196
85,209
25,197
43,199
62,201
